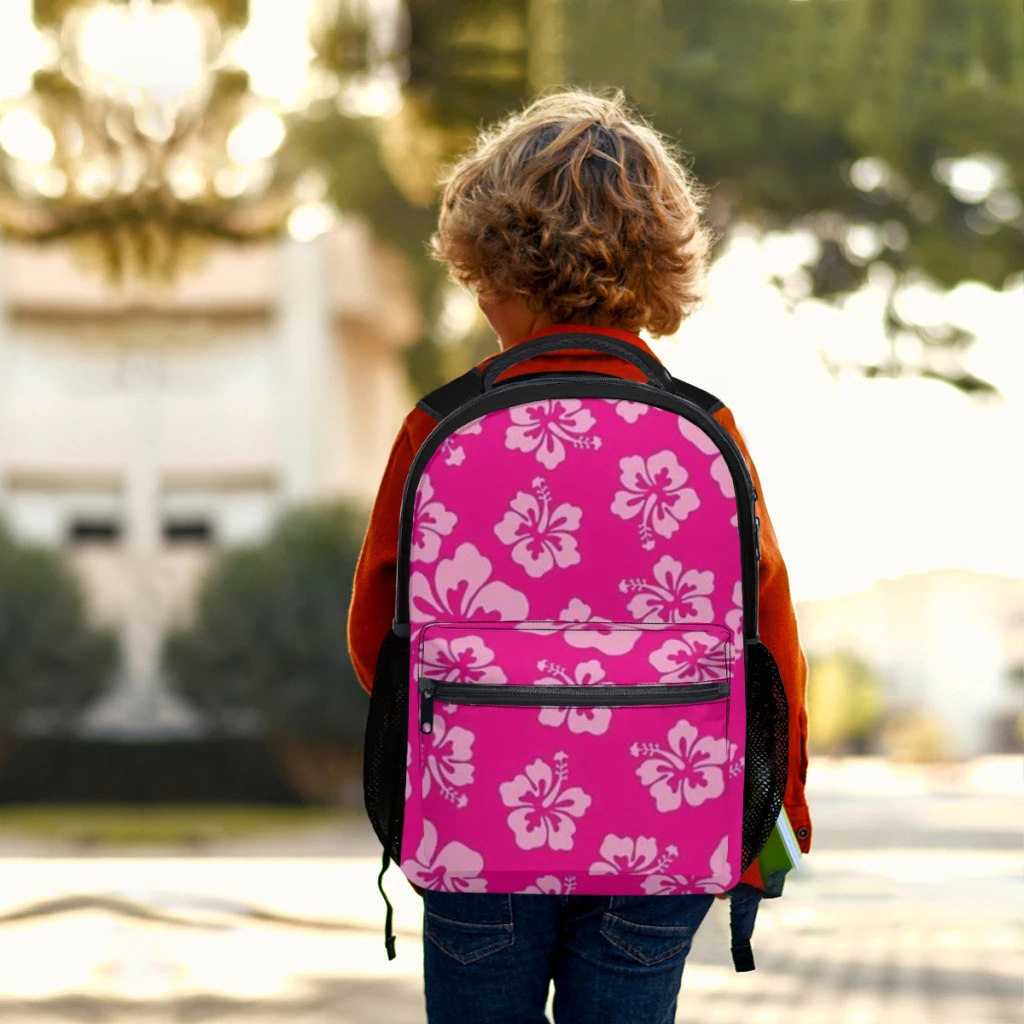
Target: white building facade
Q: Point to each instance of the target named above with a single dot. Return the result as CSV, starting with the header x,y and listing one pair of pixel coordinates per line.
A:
x,y
144,430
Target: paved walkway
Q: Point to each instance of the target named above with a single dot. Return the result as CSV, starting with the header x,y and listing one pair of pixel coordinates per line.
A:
x,y
909,912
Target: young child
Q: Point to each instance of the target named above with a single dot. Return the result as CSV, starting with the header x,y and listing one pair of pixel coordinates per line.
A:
x,y
571,215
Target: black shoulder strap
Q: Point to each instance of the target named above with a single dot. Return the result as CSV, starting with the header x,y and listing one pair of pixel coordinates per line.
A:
x,y
704,399
446,399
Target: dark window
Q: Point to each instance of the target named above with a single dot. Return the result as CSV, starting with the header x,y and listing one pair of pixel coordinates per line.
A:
x,y
94,531
188,531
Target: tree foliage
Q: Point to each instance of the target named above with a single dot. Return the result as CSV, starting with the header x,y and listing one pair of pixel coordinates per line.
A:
x,y
891,129
52,662
268,637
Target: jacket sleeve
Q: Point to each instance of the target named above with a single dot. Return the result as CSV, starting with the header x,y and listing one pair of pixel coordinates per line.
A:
x,y
373,590
778,628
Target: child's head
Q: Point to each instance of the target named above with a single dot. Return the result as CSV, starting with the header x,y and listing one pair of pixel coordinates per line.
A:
x,y
578,208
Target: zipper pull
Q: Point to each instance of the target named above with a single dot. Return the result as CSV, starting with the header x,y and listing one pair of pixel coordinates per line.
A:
x,y
757,535
426,704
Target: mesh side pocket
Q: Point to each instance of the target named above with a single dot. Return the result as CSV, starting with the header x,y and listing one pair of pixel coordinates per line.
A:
x,y
385,748
767,757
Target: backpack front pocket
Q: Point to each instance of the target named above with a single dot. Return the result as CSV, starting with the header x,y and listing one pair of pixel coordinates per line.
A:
x,y
568,757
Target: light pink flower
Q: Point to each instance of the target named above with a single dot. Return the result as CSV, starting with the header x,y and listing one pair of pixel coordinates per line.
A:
x,y
592,720
463,659
430,522
674,596
462,589
541,538
454,453
690,770
718,881
623,856
720,877
629,411
543,807
545,428
734,617
454,869
448,761
655,490
692,657
719,470
572,620
551,885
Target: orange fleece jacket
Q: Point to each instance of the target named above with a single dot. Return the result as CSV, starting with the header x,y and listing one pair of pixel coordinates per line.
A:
x,y
373,595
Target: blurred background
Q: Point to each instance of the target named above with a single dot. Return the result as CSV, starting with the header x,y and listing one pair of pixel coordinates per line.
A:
x,y
215,309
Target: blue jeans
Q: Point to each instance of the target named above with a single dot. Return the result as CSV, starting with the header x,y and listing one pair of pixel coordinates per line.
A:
x,y
489,959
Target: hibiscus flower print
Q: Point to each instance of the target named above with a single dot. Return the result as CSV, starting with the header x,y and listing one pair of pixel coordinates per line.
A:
x,y
692,658
623,856
430,522
690,770
545,428
573,617
452,869
454,453
674,595
464,659
734,617
656,491
543,806
718,880
462,589
447,763
592,720
629,411
719,470
541,537
551,885
736,761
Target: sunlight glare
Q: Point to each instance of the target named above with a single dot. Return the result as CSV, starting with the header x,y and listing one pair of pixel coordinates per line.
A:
x,y
274,50
256,137
159,52
24,137
22,49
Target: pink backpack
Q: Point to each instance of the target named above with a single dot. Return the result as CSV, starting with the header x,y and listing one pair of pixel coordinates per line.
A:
x,y
573,698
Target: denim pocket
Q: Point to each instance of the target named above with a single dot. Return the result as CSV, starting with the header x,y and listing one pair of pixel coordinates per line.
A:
x,y
654,929
468,926
647,944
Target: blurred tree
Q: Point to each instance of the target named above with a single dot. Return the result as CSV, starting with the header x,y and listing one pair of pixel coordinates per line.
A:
x,y
52,663
267,646
893,130
267,652
844,703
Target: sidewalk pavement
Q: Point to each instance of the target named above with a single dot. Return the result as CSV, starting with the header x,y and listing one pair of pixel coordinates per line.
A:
x,y
908,912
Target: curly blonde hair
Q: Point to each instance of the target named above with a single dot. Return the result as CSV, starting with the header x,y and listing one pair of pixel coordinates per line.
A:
x,y
577,205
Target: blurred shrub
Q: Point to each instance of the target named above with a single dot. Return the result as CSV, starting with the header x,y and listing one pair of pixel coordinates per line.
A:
x,y
267,648
915,735
52,662
844,704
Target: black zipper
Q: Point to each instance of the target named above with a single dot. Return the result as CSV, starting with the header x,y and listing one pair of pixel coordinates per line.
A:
x,y
561,696
508,395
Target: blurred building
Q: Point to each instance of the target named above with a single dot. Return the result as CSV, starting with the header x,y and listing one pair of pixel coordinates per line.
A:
x,y
143,430
949,643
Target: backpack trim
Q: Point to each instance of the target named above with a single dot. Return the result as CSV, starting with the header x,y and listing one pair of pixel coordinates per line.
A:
x,y
445,400
516,393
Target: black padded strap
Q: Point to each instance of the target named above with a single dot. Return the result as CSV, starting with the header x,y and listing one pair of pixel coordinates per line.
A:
x,y
446,399
704,399
451,396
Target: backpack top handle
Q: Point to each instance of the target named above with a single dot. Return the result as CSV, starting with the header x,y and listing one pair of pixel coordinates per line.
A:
x,y
656,374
